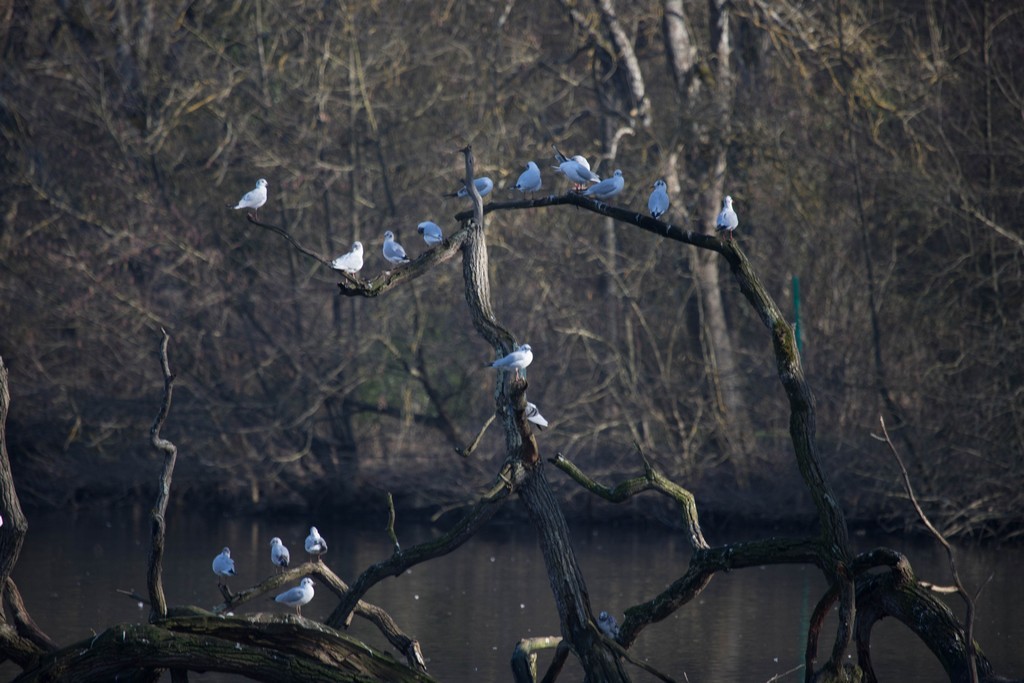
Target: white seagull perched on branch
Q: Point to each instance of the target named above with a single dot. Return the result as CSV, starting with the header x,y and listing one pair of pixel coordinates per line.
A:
x,y
518,360
315,543
255,198
298,596
279,555
727,219
393,251
431,232
350,262
223,565
607,188
484,186
529,180
576,169
658,203
534,416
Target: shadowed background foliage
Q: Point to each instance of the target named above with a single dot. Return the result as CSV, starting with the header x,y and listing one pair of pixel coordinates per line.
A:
x,y
873,150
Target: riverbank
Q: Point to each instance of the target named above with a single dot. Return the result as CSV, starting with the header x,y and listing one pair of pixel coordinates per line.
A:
x,y
764,505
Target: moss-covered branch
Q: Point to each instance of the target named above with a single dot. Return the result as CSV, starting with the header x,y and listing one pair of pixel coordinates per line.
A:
x,y
280,649
652,480
891,595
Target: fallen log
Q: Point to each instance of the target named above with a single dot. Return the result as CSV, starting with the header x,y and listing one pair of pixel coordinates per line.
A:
x,y
272,648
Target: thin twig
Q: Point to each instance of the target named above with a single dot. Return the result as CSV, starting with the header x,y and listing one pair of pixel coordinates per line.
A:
x,y
134,595
468,450
779,677
284,233
969,625
391,524
622,652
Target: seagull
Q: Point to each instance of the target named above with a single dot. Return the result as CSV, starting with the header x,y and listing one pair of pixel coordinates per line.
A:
x,y
576,169
279,555
315,543
223,565
529,180
393,251
254,199
658,203
298,596
607,188
431,232
608,625
351,262
727,219
517,360
534,416
484,186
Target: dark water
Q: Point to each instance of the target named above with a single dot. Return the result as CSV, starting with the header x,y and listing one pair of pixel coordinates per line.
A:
x,y
468,609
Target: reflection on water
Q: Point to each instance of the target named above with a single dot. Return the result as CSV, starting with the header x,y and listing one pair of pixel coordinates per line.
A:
x,y
468,609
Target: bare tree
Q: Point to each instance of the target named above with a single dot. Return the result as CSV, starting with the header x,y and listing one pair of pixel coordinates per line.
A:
x,y
122,135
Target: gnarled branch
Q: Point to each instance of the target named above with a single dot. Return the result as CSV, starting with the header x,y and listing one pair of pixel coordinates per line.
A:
x,y
154,574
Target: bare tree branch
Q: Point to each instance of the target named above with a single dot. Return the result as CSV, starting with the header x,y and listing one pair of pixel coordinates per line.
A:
x,y
961,591
154,574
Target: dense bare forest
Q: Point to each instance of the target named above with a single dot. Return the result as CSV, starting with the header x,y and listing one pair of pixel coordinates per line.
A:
x,y
870,153
873,150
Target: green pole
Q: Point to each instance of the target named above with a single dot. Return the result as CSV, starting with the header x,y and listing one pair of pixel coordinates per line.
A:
x,y
796,314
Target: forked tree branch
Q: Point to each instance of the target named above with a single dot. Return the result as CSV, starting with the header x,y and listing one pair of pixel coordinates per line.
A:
x,y
355,285
705,562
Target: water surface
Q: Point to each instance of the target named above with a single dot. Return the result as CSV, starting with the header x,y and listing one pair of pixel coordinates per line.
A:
x,y
469,608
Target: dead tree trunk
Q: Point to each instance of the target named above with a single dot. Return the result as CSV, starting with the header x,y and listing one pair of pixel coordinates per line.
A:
x,y
522,469
599,662
154,574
